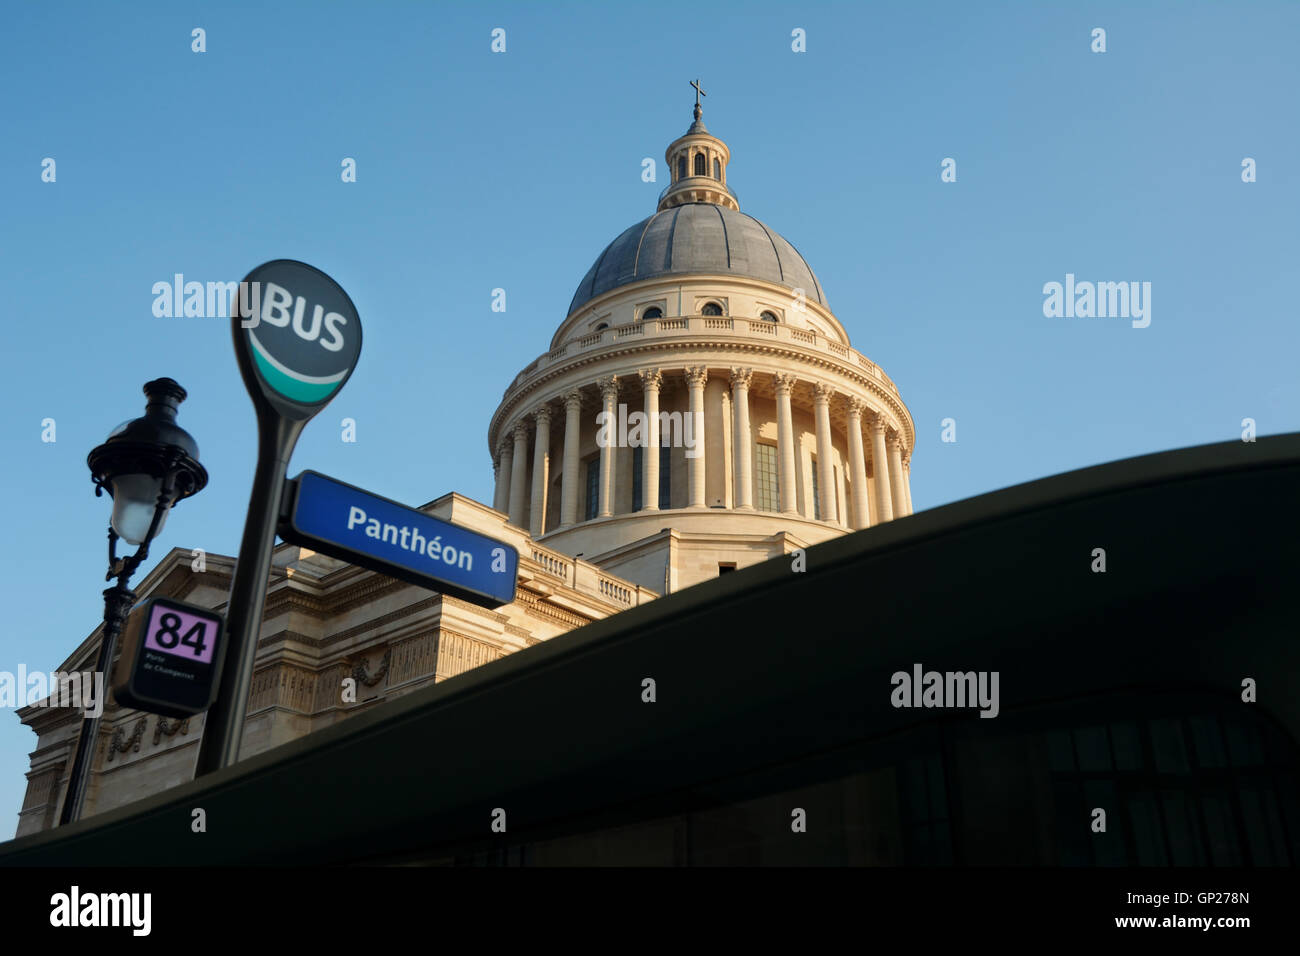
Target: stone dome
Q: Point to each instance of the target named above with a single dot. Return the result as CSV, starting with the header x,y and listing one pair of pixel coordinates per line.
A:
x,y
698,237
689,418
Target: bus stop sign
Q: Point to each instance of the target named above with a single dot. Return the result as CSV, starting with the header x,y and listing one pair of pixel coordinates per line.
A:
x,y
171,658
297,337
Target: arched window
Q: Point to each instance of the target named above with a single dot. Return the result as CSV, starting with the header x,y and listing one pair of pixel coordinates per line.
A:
x,y
711,308
717,169
681,166
700,168
767,316
603,325
654,312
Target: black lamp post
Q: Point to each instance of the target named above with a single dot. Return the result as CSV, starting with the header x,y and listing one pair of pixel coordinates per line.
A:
x,y
147,464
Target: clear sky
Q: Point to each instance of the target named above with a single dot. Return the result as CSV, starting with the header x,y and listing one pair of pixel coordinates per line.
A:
x,y
478,170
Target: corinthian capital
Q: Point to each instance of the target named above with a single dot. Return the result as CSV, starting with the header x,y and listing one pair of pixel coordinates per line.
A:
x,y
696,376
608,388
784,382
651,379
741,377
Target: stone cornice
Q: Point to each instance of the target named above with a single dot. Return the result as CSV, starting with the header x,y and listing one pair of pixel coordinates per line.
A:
x,y
333,594
535,605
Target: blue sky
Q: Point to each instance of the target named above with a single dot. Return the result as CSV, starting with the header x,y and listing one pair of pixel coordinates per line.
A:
x,y
478,170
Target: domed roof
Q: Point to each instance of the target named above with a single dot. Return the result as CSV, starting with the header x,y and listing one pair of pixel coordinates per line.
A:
x,y
697,237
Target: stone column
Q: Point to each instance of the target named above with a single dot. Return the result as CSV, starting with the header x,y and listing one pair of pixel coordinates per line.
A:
x,y
541,471
879,462
896,475
785,459
519,475
609,406
728,449
907,482
571,479
651,379
504,463
696,377
825,469
740,379
858,465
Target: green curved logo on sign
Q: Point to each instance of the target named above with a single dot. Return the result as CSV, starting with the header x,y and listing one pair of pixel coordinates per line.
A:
x,y
308,389
297,337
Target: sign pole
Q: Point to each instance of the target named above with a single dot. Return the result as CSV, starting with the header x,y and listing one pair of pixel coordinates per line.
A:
x,y
224,727
297,339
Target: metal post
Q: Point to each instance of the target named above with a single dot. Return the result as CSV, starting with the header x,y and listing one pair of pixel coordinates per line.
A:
x,y
118,601
224,726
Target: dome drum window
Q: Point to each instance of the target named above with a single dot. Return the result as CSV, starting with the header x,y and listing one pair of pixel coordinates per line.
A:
x,y
711,309
767,316
654,312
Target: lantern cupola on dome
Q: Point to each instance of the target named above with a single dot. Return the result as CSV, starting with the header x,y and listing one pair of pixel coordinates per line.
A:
x,y
697,163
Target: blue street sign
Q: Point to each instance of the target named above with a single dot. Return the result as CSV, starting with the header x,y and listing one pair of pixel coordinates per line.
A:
x,y
353,525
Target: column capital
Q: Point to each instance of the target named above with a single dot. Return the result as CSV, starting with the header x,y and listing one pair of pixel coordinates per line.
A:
x,y
784,382
573,399
822,393
521,430
878,423
697,376
542,415
894,440
856,406
608,387
741,377
506,444
651,379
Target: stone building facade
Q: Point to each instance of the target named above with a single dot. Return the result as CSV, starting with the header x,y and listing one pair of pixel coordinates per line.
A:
x,y
325,621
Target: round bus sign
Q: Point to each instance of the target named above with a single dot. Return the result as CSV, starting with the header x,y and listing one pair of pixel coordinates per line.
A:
x,y
297,337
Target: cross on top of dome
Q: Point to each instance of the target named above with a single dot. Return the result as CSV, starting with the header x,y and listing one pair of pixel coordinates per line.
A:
x,y
698,125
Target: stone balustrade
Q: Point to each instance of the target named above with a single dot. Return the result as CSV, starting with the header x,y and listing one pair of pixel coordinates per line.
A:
x,y
721,329
587,579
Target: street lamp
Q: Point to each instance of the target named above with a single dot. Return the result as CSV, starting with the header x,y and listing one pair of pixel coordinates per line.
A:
x,y
147,465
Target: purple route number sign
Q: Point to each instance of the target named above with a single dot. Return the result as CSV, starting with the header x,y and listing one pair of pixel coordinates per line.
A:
x,y
185,635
